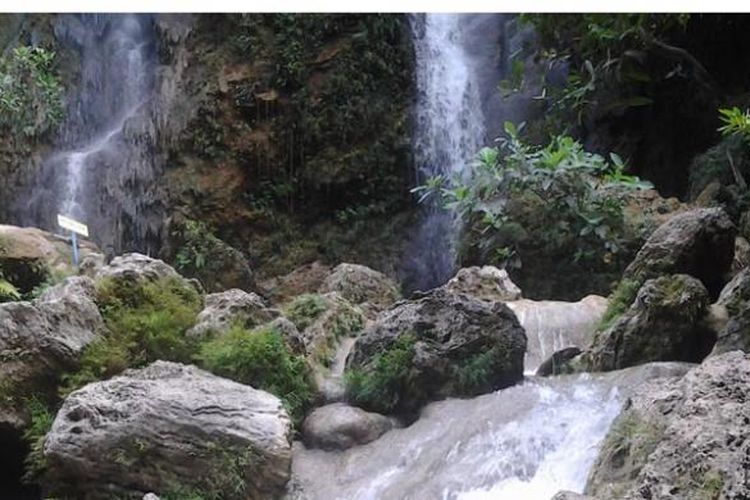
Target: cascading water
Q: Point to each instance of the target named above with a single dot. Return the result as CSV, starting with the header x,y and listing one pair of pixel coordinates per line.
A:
x,y
449,131
527,442
103,171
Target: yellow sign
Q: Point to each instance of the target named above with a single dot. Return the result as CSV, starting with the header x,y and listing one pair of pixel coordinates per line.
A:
x,y
73,225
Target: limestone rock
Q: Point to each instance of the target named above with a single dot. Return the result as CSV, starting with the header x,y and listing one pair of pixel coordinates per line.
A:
x,y
558,362
362,286
741,255
339,426
441,345
223,310
40,340
663,324
486,283
736,293
735,334
699,242
167,426
28,255
137,268
681,438
570,495
90,264
306,279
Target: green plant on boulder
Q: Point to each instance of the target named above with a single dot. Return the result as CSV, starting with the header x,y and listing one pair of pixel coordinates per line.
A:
x,y
31,95
619,301
305,309
146,322
381,388
260,358
41,422
475,374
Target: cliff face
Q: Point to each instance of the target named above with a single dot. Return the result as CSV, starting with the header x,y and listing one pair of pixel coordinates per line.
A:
x,y
286,136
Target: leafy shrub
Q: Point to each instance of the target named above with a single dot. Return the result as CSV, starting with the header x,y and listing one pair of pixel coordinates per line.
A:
x,y
574,196
31,96
381,387
305,309
41,423
260,358
146,322
608,52
8,292
735,122
475,374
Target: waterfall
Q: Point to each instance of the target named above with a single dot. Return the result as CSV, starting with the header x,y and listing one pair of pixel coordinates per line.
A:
x,y
104,165
449,129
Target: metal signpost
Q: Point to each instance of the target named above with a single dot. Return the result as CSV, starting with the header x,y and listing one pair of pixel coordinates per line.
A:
x,y
75,228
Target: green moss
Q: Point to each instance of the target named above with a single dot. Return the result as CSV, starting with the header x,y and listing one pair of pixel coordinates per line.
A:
x,y
41,422
305,309
226,477
260,358
146,322
386,383
619,301
475,374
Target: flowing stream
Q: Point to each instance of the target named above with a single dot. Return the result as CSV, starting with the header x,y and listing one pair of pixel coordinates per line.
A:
x,y
526,442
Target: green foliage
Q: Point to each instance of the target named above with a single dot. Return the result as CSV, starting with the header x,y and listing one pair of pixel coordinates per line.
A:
x,y
31,96
735,122
226,477
475,374
146,322
606,57
382,386
196,249
8,292
260,358
305,309
571,193
41,422
619,301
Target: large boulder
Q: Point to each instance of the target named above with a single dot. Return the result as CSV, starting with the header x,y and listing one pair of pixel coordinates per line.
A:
x,y
362,286
306,279
485,282
663,324
29,256
39,341
323,321
136,268
339,426
223,310
699,242
681,438
736,293
735,334
440,345
170,429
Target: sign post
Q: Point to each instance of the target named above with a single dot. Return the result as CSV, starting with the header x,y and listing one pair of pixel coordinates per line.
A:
x,y
75,228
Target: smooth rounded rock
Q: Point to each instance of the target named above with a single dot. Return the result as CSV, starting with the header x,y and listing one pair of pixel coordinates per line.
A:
x,y
339,426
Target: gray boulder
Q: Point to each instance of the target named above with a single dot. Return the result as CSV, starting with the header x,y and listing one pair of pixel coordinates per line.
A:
x,y
663,324
736,334
699,242
42,339
736,293
486,283
360,285
681,438
223,310
339,426
168,428
137,268
440,345
569,495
